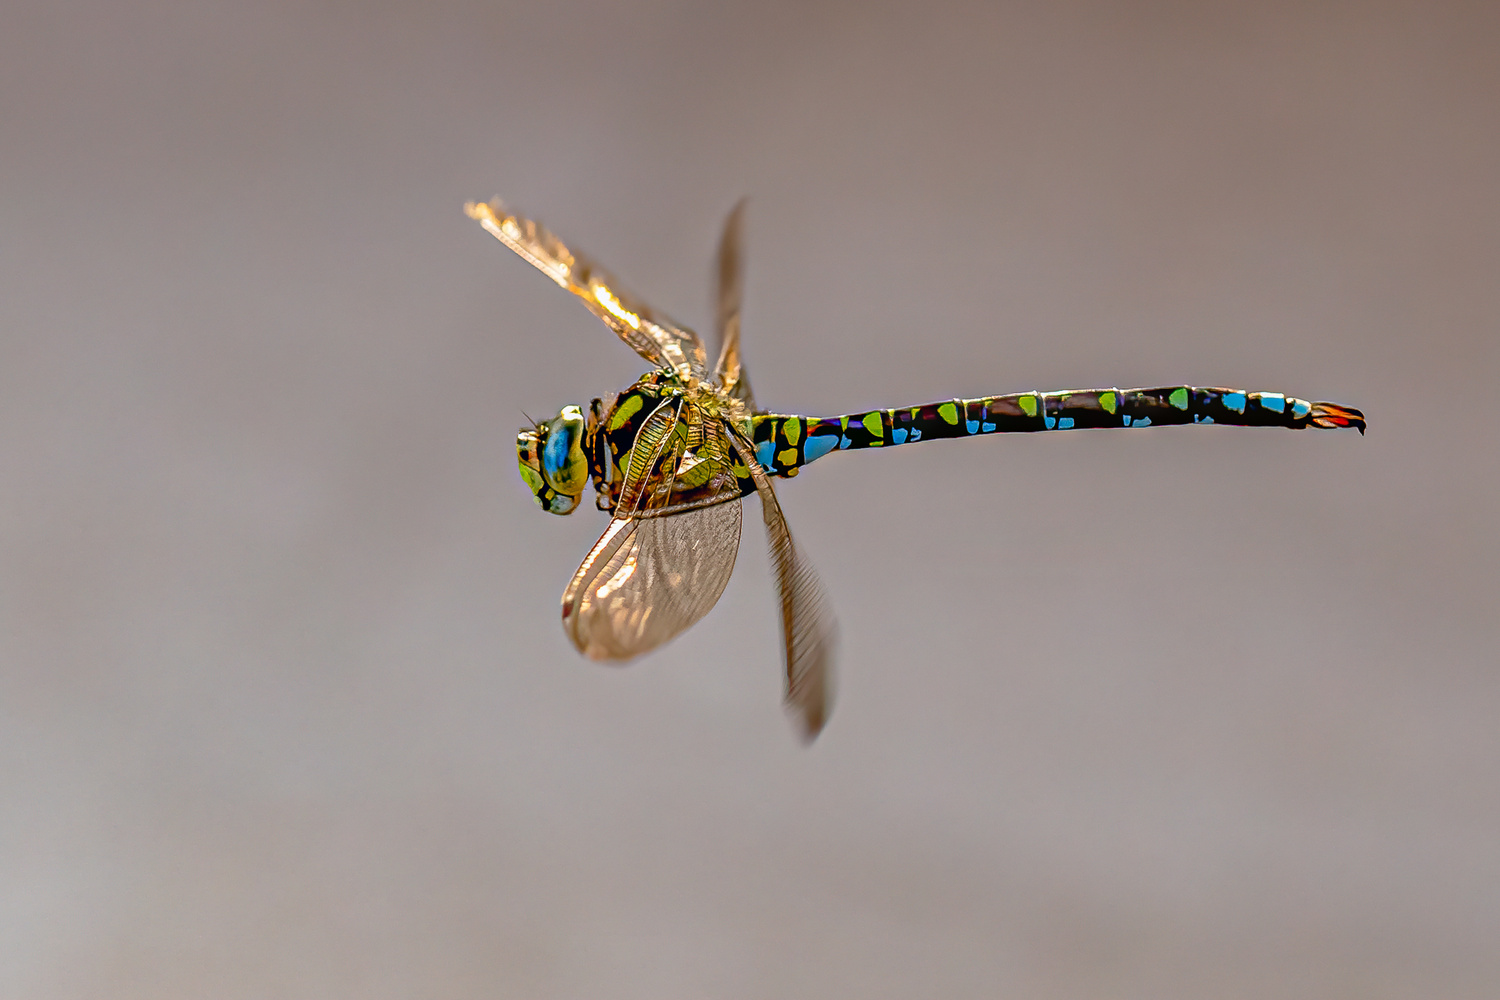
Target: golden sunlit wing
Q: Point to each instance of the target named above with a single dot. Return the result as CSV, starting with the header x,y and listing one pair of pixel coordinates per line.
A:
x,y
729,284
807,626
651,334
648,579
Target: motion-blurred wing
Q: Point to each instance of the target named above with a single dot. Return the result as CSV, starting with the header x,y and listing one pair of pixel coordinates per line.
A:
x,y
651,334
729,285
807,627
648,579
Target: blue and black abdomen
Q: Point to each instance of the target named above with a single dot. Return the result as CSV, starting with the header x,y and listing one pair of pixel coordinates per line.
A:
x,y
784,443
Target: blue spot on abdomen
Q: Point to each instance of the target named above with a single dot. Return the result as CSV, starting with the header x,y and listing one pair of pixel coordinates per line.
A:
x,y
763,452
818,446
1233,401
898,435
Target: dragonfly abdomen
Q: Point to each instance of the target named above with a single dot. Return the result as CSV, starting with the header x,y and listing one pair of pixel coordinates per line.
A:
x,y
785,443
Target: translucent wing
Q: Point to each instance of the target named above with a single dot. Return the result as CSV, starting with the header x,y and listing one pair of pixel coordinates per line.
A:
x,y
651,334
729,283
651,450
807,627
647,579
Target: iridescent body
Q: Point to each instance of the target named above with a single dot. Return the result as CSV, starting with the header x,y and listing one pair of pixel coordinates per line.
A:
x,y
671,456
785,443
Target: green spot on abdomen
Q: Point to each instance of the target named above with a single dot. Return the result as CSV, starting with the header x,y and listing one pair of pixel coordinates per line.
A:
x,y
949,413
1179,398
874,426
786,458
792,429
1107,400
1028,405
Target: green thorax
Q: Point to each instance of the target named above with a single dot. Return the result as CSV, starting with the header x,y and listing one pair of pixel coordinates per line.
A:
x,y
701,460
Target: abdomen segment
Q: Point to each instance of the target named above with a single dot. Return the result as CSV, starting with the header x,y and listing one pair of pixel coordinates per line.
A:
x,y
784,443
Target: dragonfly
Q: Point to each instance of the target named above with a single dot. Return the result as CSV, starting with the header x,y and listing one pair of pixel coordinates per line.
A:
x,y
672,456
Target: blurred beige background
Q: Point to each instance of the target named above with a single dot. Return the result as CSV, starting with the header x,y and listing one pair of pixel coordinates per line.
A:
x,y
285,707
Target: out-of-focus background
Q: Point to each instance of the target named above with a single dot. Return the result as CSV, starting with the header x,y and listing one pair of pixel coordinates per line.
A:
x,y
285,707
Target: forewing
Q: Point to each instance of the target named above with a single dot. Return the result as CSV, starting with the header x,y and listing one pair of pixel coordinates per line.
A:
x,y
648,579
651,334
729,285
642,486
807,626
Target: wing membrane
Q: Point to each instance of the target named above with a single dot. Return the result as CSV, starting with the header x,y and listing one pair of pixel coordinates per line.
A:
x,y
651,334
807,627
647,579
729,284
653,442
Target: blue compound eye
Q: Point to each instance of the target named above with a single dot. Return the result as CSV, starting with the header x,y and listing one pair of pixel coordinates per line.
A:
x,y
552,463
564,465
528,457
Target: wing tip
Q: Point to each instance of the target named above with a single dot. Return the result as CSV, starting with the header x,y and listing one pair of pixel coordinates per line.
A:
x,y
494,211
809,698
808,727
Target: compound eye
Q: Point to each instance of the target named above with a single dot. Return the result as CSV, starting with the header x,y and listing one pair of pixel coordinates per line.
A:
x,y
559,503
552,462
528,456
564,465
530,444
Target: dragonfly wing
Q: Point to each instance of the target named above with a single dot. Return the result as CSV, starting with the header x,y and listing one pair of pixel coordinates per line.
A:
x,y
807,627
665,558
729,284
643,486
648,579
651,334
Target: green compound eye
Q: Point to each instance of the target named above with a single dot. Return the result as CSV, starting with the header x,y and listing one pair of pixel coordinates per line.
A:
x,y
552,462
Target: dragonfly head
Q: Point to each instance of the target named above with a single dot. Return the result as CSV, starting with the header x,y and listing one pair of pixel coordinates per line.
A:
x,y
552,460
